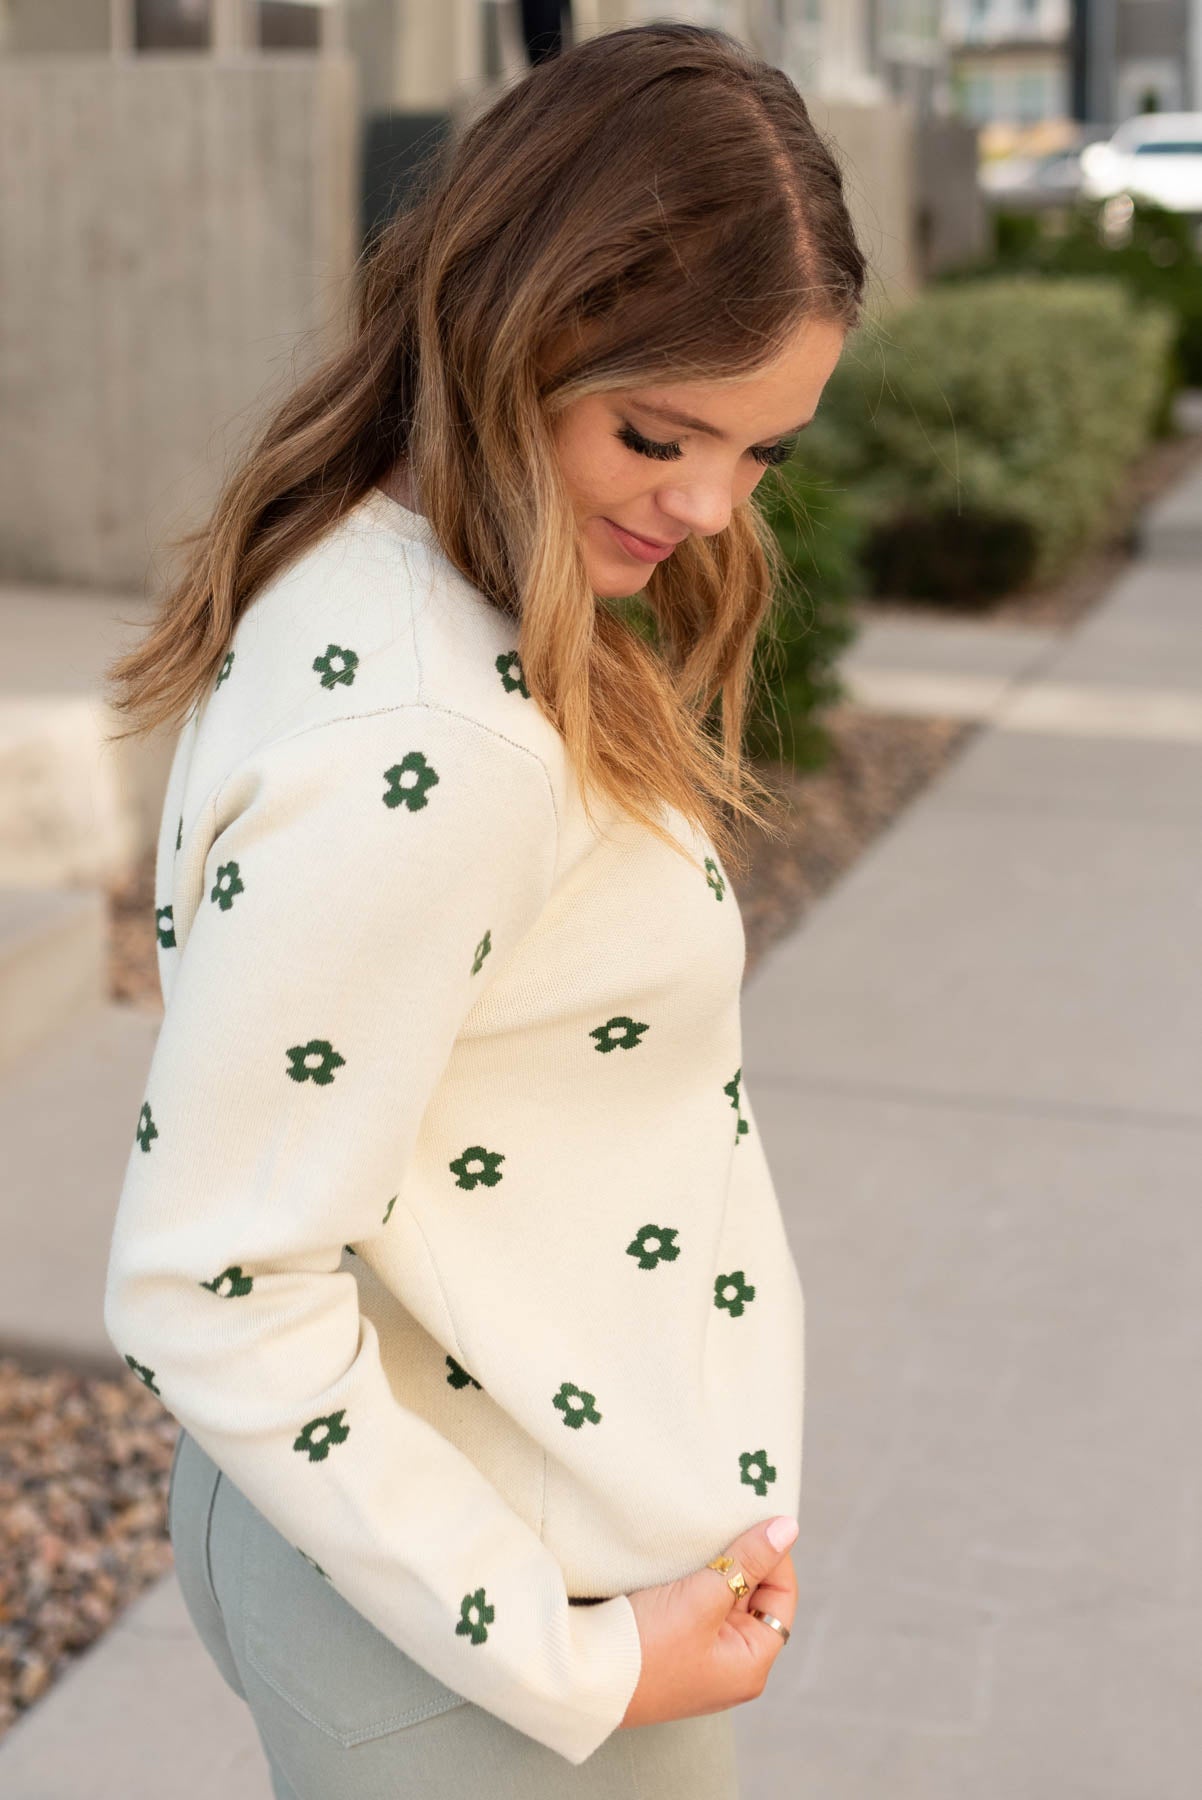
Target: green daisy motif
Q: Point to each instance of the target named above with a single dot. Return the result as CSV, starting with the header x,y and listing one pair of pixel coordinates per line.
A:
x,y
474,1617
336,665
733,1293
143,1374
164,925
488,1171
654,1244
404,791
314,1061
510,682
576,1405
223,672
714,878
335,1433
757,1470
459,1377
310,1561
179,836
731,1087
482,950
388,1209
619,1033
147,1128
228,883
239,1283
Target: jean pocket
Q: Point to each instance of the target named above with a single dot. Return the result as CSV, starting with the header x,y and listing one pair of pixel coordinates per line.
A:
x,y
319,1653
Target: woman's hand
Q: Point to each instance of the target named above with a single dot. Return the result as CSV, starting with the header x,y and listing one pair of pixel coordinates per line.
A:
x,y
702,1650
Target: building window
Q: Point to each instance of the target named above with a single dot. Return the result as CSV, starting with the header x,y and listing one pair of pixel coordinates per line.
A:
x,y
1031,96
978,97
172,24
289,25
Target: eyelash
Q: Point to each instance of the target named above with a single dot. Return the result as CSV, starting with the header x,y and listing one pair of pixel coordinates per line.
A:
x,y
769,455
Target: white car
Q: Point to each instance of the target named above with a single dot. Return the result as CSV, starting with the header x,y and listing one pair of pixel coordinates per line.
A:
x,y
1153,156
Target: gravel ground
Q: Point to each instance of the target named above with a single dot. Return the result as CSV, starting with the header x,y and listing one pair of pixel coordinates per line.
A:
x,y
84,1460
83,1501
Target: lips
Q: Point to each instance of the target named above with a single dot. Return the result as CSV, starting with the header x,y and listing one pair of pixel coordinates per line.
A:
x,y
651,543
643,549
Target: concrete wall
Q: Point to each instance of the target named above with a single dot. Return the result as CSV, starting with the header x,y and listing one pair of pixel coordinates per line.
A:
x,y
71,25
951,218
176,229
874,146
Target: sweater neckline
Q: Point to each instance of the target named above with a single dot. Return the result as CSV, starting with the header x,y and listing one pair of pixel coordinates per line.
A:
x,y
400,518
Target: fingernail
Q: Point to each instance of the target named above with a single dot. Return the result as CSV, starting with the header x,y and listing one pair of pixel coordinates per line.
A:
x,y
781,1533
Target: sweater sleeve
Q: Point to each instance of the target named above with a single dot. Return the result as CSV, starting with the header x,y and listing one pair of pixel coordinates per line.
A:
x,y
363,879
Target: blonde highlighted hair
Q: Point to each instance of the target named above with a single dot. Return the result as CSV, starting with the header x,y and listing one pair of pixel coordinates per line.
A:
x,y
656,199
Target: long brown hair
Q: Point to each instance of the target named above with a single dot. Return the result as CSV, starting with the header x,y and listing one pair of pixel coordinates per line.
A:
x,y
658,199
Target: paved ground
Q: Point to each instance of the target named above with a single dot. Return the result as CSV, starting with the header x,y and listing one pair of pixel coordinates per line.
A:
x,y
976,1071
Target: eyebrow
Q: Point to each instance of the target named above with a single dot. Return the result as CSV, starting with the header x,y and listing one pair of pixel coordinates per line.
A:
x,y
670,415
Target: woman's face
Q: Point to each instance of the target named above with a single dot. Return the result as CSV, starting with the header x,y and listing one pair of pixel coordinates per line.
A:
x,y
631,469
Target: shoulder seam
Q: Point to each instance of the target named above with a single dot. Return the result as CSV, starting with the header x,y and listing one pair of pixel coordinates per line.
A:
x,y
399,706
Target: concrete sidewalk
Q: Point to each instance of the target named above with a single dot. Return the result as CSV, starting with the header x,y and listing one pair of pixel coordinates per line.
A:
x,y
975,1069
977,1073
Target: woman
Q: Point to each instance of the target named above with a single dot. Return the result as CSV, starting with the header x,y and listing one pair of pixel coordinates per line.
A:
x,y
446,1231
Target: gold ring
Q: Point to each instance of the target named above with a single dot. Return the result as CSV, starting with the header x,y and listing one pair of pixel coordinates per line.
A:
x,y
736,1582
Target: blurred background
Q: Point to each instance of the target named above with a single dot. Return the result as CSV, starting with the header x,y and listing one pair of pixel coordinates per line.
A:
x,y
988,673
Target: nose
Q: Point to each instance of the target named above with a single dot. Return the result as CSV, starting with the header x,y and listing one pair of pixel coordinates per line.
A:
x,y
702,508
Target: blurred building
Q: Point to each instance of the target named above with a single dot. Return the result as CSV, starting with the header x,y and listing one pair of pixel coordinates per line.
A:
x,y
1142,56
186,185
1031,73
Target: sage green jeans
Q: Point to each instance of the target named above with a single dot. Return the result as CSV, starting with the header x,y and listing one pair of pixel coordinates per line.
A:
x,y
343,1714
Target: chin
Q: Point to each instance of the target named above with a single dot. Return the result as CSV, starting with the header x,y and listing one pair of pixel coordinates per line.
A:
x,y
610,586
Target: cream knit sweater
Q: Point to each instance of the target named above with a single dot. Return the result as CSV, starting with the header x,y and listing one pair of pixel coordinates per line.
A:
x,y
446,1230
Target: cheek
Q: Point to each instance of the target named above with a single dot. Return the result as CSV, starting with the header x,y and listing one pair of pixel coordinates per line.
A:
x,y
600,472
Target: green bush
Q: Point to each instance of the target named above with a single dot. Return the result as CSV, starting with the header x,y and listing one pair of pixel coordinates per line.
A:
x,y
809,625
811,622
1159,262
979,433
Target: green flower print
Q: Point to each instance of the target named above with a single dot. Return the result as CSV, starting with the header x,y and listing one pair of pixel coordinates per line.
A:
x,y
143,1374
474,1626
489,1173
147,1128
179,836
336,665
654,1244
714,878
228,883
511,683
482,950
459,1377
239,1283
620,1032
731,1087
388,1209
757,1470
164,925
350,1250
576,1406
319,1447
322,1071
310,1561
226,666
405,792
733,1292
